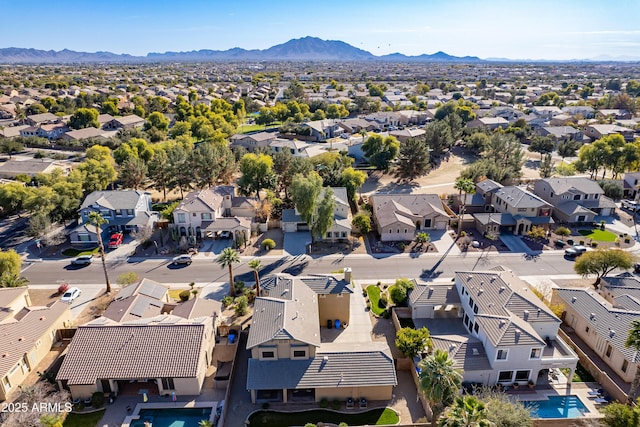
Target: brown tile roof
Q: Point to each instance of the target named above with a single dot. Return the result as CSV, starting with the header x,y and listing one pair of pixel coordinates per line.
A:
x,y
133,352
198,307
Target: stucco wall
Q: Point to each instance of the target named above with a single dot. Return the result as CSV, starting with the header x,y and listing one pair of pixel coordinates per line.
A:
x,y
342,393
332,307
82,391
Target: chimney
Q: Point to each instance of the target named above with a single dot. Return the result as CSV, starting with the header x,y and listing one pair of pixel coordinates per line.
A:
x,y
347,274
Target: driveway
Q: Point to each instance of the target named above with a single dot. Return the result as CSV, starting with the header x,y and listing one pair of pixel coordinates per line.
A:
x,y
515,244
295,243
216,247
443,242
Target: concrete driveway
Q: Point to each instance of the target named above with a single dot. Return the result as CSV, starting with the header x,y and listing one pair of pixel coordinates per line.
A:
x,y
216,246
295,243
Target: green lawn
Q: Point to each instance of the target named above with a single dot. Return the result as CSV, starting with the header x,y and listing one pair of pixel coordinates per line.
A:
x,y
72,252
599,235
581,375
374,297
83,420
379,416
254,128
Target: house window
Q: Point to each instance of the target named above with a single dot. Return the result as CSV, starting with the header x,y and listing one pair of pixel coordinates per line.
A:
x,y
299,353
502,354
587,329
522,209
535,353
476,328
608,352
6,383
130,212
427,223
14,369
475,309
471,303
576,197
625,365
83,237
398,231
38,343
182,218
328,235
268,355
344,234
167,384
206,216
405,231
118,212
390,231
551,195
505,376
194,214
522,375
105,213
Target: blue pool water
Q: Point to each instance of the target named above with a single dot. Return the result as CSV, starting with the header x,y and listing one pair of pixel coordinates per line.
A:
x,y
556,407
189,417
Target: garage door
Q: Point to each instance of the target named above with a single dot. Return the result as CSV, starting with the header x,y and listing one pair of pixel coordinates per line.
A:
x,y
302,226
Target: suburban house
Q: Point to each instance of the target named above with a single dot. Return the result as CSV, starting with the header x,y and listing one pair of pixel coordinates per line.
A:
x,y
602,321
42,119
401,216
598,131
208,212
28,333
493,326
490,123
295,356
575,200
50,131
321,130
631,185
126,122
14,167
340,228
88,133
403,135
514,210
620,114
127,210
253,141
561,133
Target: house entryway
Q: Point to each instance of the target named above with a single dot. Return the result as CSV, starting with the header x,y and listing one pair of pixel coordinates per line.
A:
x,y
137,387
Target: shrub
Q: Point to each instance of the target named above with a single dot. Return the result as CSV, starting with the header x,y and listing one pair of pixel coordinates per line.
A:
x,y
463,233
627,240
402,246
97,399
241,305
268,244
265,405
184,295
126,279
343,424
384,300
362,222
250,294
239,285
63,288
581,242
227,301
563,231
594,244
324,403
309,425
405,283
398,294
335,404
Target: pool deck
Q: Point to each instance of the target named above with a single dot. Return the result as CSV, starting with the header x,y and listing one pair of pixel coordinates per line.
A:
x,y
169,405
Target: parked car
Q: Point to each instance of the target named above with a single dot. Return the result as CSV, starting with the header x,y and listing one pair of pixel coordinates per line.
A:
x,y
82,260
182,259
70,295
575,251
116,240
630,205
225,234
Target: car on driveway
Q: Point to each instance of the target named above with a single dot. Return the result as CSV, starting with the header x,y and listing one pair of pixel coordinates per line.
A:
x,y
225,234
82,260
575,251
70,295
182,260
116,240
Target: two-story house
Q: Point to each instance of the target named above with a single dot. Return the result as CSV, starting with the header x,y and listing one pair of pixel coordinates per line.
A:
x,y
28,333
575,199
253,141
293,355
493,326
212,211
631,185
515,210
400,216
128,210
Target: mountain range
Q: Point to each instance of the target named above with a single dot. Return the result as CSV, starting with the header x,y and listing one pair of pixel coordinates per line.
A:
x,y
302,49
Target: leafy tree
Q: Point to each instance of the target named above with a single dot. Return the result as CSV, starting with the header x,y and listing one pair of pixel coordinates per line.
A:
x,y
546,166
257,174
157,120
286,167
565,169
10,262
413,160
537,232
362,222
602,262
12,197
40,393
381,152
97,221
568,148
227,258
9,280
476,141
438,137
562,231
323,219
633,88
502,411
422,238
305,191
352,180
411,342
159,172
439,381
633,341
398,294
180,170
620,415
36,108
466,411
40,199
612,189
84,118
133,172
542,145
255,265
466,186
10,146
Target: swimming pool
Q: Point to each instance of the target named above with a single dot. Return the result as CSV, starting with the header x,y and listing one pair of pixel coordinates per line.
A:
x,y
556,407
189,417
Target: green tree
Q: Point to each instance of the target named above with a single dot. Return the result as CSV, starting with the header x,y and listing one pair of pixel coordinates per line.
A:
x,y
413,160
305,191
612,189
159,172
227,258
84,118
255,265
412,342
10,280
381,152
620,415
537,232
10,262
439,381
546,166
158,121
352,180
542,145
257,174
398,294
133,172
422,238
466,186
285,166
323,219
466,411
439,137
109,107
502,411
97,221
633,341
568,148
602,262
10,146
362,221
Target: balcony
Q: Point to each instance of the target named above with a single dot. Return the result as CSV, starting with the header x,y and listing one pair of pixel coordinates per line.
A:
x,y
557,354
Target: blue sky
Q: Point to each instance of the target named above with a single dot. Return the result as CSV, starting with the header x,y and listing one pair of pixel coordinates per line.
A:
x,y
542,29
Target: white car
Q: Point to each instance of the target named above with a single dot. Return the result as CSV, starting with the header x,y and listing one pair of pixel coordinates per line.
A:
x,y
70,295
82,260
575,251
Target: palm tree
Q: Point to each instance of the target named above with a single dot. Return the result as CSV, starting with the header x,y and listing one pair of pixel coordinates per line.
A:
x,y
466,411
439,381
255,265
227,258
205,423
97,220
12,280
633,341
468,187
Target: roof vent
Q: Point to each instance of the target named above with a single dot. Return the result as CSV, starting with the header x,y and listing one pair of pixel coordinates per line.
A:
x,y
452,347
325,359
469,277
475,352
526,315
480,291
493,279
502,322
573,299
5,354
592,316
286,291
612,333
502,289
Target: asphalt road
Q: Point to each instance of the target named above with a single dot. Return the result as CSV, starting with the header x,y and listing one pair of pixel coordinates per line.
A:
x,y
364,267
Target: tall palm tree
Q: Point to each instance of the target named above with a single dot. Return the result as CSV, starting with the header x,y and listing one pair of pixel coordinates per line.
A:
x,y
466,186
466,411
12,280
633,341
97,220
227,258
255,265
439,381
